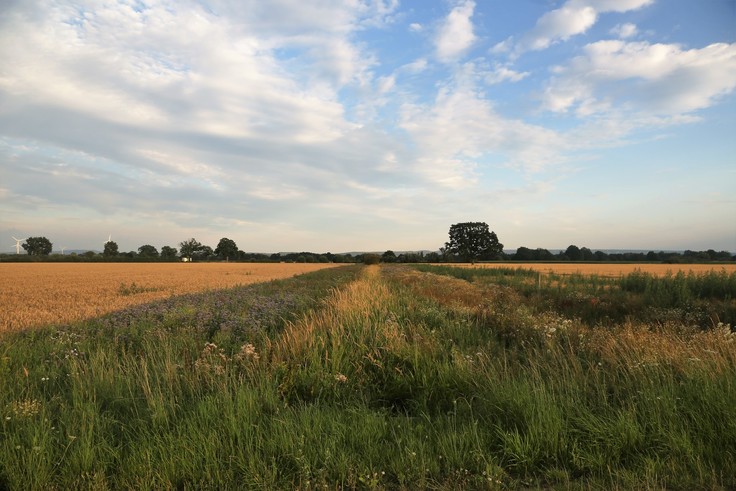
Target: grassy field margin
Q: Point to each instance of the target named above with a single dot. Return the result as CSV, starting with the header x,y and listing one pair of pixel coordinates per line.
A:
x,y
382,377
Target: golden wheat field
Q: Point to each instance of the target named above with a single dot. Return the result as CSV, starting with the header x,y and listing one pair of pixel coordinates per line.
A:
x,y
35,294
608,269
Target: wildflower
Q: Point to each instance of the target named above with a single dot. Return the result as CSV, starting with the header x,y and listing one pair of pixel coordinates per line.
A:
x,y
211,359
25,408
726,331
341,378
247,353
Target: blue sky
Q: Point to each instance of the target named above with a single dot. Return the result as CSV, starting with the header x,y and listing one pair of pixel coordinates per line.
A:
x,y
331,125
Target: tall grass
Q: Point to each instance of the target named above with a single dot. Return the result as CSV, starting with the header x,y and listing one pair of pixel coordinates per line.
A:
x,y
701,299
372,378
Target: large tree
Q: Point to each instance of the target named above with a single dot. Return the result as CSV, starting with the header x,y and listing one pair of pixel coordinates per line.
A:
x,y
389,257
204,252
168,252
147,251
190,248
572,253
226,249
111,249
472,241
38,246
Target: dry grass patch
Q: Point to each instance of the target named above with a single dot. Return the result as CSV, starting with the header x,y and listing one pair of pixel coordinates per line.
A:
x,y
357,304
635,346
36,294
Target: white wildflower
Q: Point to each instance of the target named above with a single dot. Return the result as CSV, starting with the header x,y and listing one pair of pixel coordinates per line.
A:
x,y
248,353
726,332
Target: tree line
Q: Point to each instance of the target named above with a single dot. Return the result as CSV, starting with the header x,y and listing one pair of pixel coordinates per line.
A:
x,y
40,248
472,241
468,242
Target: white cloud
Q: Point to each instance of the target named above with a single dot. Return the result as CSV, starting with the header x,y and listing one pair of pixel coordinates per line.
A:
x,y
385,84
376,13
129,67
460,129
337,60
415,27
455,36
415,66
612,5
624,31
502,46
641,77
502,73
558,25
294,18
574,17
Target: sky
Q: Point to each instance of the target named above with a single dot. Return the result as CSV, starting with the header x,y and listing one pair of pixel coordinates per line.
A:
x,y
368,125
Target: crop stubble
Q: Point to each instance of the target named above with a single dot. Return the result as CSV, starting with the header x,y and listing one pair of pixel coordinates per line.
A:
x,y
36,294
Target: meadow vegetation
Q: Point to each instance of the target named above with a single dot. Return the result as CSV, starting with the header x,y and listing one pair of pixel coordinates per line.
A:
x,y
379,377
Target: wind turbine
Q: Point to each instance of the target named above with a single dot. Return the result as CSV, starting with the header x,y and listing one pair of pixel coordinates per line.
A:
x,y
17,244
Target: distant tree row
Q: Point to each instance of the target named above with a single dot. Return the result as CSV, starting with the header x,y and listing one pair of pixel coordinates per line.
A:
x,y
40,248
469,242
575,253
472,241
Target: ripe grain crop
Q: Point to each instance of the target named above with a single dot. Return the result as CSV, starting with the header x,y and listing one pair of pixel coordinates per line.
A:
x,y
36,294
613,270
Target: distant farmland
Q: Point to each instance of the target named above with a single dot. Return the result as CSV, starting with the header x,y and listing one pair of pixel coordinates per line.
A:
x,y
37,294
50,293
607,269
